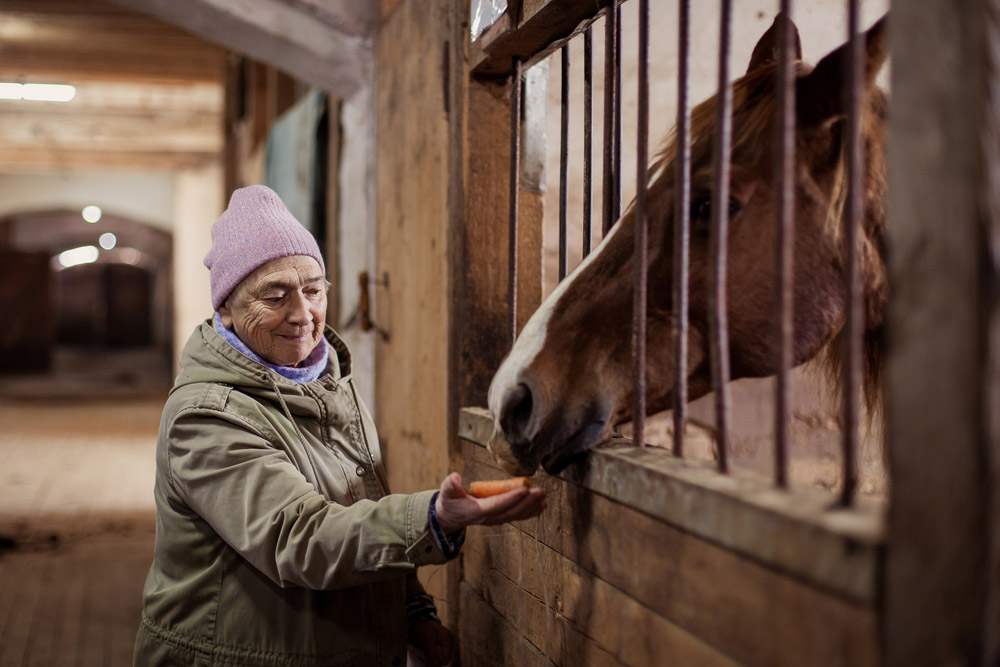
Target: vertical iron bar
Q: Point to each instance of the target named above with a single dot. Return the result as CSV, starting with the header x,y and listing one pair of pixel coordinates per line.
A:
x,y
785,242
610,30
718,241
682,221
564,166
853,327
641,259
588,135
616,200
515,175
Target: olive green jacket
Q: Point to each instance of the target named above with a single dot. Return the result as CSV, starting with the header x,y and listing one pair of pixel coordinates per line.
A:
x,y
276,540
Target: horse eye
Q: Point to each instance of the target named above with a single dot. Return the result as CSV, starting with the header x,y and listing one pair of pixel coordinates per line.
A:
x,y
701,212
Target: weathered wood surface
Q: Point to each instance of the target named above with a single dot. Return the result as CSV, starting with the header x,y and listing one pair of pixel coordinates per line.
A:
x,y
942,555
412,248
481,306
574,618
716,601
80,40
799,533
539,28
285,35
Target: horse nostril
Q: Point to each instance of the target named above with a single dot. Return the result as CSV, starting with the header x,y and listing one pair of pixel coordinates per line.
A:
x,y
515,411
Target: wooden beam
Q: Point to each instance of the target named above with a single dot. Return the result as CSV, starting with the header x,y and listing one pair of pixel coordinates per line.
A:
x,y
277,33
24,159
540,28
192,133
941,590
97,40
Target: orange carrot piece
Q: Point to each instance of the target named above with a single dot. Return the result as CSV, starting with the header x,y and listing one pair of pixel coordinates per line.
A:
x,y
495,487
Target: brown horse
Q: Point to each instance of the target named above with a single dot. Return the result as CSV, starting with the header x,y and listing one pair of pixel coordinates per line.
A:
x,y
567,380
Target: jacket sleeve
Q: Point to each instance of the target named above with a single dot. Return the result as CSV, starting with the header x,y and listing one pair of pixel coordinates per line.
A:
x,y
258,502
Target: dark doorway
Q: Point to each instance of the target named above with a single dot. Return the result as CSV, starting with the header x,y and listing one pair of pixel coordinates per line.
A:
x,y
105,305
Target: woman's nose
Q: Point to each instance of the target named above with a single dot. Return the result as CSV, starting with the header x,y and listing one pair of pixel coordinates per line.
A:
x,y
298,310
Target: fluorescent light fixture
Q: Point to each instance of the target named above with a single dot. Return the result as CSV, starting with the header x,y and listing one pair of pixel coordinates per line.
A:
x,y
11,91
37,92
108,240
92,213
48,92
83,255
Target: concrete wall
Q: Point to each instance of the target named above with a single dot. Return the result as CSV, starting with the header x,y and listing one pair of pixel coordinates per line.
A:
x,y
198,203
144,196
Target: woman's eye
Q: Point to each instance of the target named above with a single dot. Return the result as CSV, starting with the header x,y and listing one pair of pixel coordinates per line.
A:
x,y
701,212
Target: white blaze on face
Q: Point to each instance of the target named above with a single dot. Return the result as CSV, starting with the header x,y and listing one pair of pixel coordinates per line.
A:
x,y
532,338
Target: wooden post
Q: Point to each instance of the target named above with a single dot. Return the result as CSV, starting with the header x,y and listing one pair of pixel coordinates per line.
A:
x,y
942,562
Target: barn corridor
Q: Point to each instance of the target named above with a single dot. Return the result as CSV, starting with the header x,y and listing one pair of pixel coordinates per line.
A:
x,y
76,528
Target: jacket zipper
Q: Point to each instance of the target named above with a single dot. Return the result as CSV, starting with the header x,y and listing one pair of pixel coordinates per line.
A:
x,y
364,434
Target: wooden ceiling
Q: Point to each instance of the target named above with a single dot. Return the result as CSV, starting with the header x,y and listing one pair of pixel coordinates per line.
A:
x,y
148,95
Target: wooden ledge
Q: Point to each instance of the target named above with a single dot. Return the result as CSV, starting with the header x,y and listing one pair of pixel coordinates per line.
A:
x,y
544,26
798,532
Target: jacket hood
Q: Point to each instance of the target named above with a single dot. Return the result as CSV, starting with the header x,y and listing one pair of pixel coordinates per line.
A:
x,y
207,357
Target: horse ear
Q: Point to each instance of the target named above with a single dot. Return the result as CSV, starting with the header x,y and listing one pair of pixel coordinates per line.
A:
x,y
768,48
821,95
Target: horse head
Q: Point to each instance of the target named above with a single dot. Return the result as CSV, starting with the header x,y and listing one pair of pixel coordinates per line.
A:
x,y
567,380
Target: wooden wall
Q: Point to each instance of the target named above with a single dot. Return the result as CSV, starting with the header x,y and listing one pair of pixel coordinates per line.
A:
x,y
412,246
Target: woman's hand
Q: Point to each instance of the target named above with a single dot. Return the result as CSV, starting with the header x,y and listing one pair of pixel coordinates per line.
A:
x,y
436,641
456,509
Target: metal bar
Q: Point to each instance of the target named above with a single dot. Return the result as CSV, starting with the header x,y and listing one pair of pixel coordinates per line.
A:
x,y
588,136
682,221
564,166
610,29
855,316
785,242
515,175
718,241
616,200
641,259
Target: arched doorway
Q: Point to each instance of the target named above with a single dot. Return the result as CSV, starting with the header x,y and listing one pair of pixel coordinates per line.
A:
x,y
87,305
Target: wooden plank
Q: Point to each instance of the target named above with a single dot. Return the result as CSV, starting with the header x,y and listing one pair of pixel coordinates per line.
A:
x,y
411,166
561,608
96,130
278,33
801,533
751,612
489,640
943,166
98,40
47,159
543,26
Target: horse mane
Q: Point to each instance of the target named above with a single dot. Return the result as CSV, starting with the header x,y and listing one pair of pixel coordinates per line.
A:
x,y
754,111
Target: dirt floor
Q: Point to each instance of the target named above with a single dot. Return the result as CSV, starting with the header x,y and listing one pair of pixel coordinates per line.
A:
x,y
76,528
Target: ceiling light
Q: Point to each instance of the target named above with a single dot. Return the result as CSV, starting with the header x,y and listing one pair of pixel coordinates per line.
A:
x,y
38,92
108,240
48,92
83,255
92,213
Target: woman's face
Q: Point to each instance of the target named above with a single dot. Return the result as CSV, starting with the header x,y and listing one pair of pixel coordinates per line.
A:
x,y
279,310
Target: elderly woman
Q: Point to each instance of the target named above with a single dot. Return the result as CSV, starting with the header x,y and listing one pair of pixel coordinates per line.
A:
x,y
277,541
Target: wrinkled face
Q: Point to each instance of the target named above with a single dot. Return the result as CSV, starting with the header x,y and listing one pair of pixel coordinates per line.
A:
x,y
279,310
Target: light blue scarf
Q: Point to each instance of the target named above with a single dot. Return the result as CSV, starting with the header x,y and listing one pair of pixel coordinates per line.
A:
x,y
310,368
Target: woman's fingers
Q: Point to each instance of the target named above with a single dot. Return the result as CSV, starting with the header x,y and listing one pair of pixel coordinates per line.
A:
x,y
531,503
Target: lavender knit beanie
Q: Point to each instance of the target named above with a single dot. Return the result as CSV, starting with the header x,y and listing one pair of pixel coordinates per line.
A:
x,y
256,228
